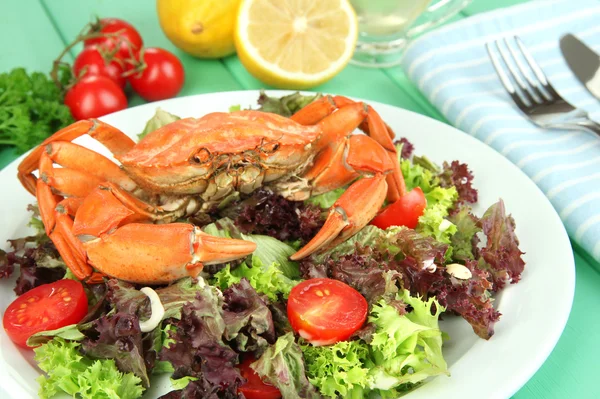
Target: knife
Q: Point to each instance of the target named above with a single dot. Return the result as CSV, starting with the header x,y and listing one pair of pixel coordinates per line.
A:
x,y
583,61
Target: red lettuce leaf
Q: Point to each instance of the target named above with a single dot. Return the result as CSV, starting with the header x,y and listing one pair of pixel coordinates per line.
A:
x,y
407,147
458,175
119,337
501,253
248,321
33,256
270,214
196,347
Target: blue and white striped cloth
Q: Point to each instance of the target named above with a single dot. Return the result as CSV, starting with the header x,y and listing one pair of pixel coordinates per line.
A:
x,y
451,67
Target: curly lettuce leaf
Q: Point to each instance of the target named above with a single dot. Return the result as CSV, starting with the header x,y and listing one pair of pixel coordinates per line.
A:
x,y
70,372
268,280
282,365
339,370
440,200
407,347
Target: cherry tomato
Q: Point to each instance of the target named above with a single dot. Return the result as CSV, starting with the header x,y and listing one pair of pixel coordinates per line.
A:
x,y
162,78
255,388
324,311
128,40
404,212
95,96
46,307
93,63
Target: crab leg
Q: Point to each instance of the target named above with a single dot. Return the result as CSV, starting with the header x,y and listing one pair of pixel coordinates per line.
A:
x,y
360,202
322,112
115,140
161,253
350,213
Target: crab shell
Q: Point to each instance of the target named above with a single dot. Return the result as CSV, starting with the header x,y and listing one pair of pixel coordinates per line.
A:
x,y
220,153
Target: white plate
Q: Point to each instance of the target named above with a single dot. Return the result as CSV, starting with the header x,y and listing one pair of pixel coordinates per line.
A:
x,y
534,311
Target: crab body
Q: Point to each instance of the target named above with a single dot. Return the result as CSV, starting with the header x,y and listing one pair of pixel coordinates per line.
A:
x,y
119,219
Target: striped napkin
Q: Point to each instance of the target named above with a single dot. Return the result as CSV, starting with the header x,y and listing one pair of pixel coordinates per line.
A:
x,y
450,66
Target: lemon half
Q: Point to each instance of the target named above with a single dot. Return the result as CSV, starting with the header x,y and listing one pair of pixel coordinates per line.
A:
x,y
295,44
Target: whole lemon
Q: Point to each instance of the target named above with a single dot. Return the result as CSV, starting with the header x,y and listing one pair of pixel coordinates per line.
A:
x,y
202,28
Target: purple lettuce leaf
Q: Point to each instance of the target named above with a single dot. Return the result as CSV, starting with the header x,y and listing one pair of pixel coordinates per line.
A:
x,y
458,175
39,263
407,147
196,346
119,337
270,214
501,254
248,321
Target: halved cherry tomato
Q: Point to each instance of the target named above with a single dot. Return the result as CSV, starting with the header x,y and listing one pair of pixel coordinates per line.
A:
x,y
162,77
95,96
92,61
404,212
255,388
127,37
325,311
46,307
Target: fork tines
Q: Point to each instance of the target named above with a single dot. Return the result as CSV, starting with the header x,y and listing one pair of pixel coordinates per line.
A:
x,y
520,65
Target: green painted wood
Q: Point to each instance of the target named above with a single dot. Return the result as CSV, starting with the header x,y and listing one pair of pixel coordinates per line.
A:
x,y
569,372
370,84
27,36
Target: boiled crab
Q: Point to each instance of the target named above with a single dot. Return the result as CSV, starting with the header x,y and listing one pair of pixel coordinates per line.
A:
x,y
122,220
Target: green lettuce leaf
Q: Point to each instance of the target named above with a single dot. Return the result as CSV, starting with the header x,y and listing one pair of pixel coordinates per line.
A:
x,y
160,119
282,365
70,372
182,382
339,370
326,200
70,332
268,249
406,348
268,280
466,231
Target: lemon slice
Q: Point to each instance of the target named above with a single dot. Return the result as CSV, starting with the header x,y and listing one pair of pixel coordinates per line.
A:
x,y
295,44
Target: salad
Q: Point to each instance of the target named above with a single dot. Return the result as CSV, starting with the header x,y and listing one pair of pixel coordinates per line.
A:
x,y
359,319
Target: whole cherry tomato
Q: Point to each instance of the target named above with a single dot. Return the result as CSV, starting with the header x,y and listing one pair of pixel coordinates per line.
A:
x,y
127,38
404,212
325,311
91,62
46,307
94,96
161,77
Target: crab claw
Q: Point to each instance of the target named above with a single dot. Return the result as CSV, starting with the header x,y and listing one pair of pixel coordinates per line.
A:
x,y
350,213
157,254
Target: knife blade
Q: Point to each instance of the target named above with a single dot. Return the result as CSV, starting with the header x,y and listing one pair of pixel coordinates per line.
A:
x,y
583,61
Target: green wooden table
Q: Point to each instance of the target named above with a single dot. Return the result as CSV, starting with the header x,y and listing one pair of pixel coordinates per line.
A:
x,y
33,33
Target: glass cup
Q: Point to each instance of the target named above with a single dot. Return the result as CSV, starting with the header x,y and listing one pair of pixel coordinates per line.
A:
x,y
386,26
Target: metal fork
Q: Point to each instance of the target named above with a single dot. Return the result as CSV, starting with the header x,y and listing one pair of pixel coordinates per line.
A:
x,y
534,94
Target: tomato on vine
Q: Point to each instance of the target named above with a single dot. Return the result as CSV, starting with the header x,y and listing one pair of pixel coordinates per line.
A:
x,y
91,62
159,76
94,96
116,33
